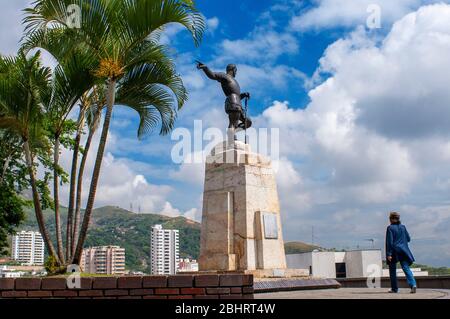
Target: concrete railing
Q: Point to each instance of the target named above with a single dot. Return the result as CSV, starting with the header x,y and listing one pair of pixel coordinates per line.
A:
x,y
199,286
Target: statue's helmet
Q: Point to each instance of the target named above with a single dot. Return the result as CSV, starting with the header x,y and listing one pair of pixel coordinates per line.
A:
x,y
232,68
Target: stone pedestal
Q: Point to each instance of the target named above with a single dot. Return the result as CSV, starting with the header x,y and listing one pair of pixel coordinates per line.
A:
x,y
241,226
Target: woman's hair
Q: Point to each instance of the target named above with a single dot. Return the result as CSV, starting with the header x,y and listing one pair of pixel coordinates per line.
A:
x,y
394,217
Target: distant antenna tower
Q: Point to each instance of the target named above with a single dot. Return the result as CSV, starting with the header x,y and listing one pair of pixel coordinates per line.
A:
x,y
139,209
131,207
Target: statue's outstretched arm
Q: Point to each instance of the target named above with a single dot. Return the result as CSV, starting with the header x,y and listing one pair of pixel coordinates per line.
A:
x,y
217,76
210,74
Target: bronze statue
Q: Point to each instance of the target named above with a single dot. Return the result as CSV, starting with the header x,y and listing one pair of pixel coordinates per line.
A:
x,y
233,103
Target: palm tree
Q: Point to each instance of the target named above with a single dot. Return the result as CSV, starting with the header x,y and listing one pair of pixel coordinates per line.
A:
x,y
124,36
93,106
80,61
71,79
24,85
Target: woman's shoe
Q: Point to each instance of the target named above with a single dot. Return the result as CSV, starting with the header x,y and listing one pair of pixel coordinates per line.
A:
x,y
392,291
413,290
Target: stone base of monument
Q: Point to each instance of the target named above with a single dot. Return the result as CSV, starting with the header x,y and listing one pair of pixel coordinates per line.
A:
x,y
241,224
278,273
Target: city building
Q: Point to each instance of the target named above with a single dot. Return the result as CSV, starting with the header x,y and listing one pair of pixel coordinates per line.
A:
x,y
187,265
109,260
346,264
28,248
7,272
164,251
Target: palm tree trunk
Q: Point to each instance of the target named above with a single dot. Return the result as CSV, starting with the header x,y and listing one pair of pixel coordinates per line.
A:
x,y
37,205
56,199
73,177
110,100
76,222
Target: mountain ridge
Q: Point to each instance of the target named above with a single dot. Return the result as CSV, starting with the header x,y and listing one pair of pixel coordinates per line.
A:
x,y
113,225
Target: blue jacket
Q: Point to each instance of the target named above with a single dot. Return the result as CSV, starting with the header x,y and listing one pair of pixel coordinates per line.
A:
x,y
397,239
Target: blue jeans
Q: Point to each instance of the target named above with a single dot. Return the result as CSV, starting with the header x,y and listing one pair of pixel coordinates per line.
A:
x,y
408,273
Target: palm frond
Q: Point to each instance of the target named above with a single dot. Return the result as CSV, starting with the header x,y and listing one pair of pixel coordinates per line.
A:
x,y
71,80
136,20
154,104
156,69
23,84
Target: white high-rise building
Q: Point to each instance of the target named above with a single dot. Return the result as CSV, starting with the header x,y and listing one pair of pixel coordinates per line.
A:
x,y
164,251
109,260
28,248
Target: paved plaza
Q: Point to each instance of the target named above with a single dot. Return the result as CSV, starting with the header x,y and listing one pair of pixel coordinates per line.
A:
x,y
356,293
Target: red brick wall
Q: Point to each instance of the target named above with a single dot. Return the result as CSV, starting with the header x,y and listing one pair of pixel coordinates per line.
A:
x,y
198,286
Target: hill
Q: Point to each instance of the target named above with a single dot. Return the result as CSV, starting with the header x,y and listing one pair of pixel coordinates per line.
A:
x,y
433,271
117,226
298,247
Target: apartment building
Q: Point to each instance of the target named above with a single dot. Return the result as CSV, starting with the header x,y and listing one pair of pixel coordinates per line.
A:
x,y
108,260
28,248
164,252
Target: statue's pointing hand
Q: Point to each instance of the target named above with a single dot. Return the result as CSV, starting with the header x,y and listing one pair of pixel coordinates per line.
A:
x,y
200,65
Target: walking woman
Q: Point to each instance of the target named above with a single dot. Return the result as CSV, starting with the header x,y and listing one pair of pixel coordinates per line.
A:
x,y
397,250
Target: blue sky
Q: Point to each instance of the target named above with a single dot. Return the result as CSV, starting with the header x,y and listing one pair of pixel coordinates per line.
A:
x,y
363,117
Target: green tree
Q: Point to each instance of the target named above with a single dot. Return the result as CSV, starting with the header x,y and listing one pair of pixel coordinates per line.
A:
x,y
12,181
24,85
50,127
124,38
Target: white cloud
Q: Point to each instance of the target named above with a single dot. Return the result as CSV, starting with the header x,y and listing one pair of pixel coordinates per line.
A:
x,y
287,176
170,31
281,77
190,171
212,24
399,87
194,214
353,162
260,45
348,13
174,29
168,210
121,185
374,136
